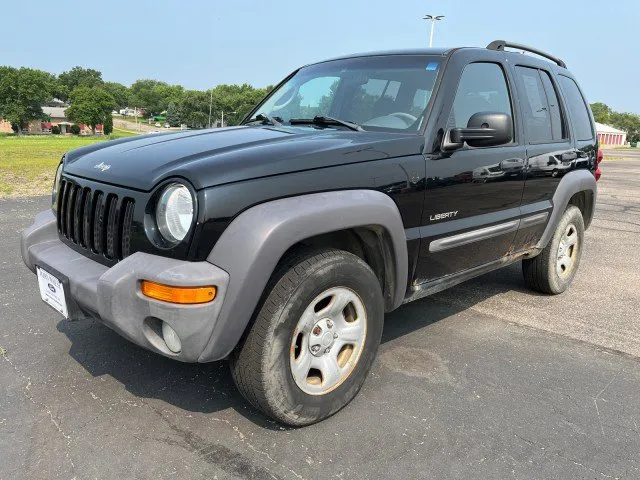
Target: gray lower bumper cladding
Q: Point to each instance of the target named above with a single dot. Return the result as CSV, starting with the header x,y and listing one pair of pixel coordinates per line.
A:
x,y
113,294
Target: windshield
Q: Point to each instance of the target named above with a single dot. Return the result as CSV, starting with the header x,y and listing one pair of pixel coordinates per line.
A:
x,y
388,93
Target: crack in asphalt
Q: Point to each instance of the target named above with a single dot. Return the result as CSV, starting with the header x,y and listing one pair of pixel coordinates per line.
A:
x,y
42,407
547,451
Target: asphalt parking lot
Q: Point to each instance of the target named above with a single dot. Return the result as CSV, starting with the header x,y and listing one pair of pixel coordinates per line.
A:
x,y
483,381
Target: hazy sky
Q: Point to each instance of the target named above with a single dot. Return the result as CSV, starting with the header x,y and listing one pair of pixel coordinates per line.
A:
x,y
200,44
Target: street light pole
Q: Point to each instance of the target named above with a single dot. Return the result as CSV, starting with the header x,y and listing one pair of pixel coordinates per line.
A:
x,y
222,121
433,19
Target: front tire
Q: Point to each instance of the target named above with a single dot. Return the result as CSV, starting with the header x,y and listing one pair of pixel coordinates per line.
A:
x,y
314,337
554,268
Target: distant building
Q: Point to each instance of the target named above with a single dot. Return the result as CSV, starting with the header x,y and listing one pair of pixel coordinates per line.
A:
x,y
56,113
5,127
56,110
86,129
131,112
54,102
607,135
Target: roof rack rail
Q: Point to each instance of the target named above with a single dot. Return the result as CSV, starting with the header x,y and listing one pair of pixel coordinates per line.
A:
x,y
501,44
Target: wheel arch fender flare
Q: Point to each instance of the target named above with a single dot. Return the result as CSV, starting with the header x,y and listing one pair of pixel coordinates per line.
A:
x,y
255,241
571,183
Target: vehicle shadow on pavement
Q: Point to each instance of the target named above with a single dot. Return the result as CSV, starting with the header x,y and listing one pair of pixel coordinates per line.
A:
x,y
209,388
432,309
196,387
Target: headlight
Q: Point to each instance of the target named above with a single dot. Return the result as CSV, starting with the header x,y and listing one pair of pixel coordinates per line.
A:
x,y
174,212
56,187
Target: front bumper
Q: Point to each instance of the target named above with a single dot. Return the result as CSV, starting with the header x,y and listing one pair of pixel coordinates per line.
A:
x,y
112,295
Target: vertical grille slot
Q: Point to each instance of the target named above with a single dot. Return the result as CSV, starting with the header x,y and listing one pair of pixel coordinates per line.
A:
x,y
60,206
111,226
127,220
77,215
95,220
63,209
86,220
98,220
69,211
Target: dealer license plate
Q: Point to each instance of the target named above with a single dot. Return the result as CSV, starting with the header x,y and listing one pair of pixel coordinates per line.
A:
x,y
52,291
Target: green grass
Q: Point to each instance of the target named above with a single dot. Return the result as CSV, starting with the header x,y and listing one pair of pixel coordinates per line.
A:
x,y
120,133
28,163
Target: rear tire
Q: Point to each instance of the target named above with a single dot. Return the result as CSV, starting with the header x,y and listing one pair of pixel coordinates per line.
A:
x,y
554,268
314,337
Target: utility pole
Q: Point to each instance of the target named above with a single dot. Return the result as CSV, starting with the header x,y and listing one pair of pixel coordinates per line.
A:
x,y
210,105
433,19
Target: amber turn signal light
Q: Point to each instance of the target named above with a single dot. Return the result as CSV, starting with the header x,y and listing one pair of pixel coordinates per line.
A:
x,y
182,295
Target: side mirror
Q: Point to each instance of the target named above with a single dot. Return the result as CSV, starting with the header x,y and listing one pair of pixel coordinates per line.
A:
x,y
484,129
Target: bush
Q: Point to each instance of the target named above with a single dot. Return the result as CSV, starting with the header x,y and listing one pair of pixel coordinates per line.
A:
x,y
75,129
108,125
55,130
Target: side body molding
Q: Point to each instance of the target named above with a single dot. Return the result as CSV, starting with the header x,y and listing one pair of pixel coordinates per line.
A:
x,y
571,183
252,245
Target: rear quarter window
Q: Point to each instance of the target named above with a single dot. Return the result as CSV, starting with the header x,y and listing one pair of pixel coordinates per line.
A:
x,y
537,117
577,108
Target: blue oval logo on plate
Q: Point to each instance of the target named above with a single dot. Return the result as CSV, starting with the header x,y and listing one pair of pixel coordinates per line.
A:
x,y
52,288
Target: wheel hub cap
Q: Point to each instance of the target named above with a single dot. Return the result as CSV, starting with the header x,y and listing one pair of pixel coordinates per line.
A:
x,y
328,340
323,335
567,251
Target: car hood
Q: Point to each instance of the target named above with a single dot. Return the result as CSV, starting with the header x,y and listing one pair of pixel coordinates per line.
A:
x,y
213,157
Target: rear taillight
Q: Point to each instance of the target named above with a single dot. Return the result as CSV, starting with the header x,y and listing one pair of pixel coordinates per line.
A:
x,y
599,158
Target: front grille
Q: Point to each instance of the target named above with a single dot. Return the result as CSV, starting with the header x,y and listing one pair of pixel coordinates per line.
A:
x,y
95,220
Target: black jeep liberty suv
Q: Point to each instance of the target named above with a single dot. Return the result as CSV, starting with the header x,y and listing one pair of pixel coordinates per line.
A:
x,y
358,184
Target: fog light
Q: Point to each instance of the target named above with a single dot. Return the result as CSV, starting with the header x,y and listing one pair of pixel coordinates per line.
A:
x,y
171,338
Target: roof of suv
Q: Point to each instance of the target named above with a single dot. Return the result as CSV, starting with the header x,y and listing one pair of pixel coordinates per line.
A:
x,y
404,51
497,45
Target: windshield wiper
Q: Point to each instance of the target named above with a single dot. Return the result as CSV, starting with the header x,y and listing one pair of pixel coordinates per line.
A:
x,y
266,119
324,120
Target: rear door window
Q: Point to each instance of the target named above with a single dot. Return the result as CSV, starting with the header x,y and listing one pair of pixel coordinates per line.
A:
x,y
577,108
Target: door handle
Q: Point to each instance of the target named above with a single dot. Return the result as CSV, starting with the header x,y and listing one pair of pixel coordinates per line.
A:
x,y
569,156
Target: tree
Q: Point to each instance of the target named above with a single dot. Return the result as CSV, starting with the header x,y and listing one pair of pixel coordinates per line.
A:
x,y
601,112
146,95
22,93
194,101
235,98
174,116
168,94
154,97
197,120
60,91
629,122
90,105
107,127
120,94
78,77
